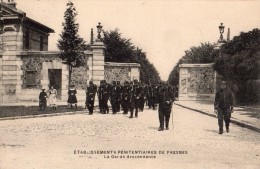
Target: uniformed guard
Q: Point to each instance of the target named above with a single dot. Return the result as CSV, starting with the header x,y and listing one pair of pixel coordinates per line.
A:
x,y
112,101
165,106
125,97
223,106
131,101
115,97
151,97
90,96
103,94
136,96
143,96
156,94
119,93
99,93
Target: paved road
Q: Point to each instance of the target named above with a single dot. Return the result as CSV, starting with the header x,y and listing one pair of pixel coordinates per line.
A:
x,y
50,142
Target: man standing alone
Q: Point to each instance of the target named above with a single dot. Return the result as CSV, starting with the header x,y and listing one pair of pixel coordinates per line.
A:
x,y
224,106
165,106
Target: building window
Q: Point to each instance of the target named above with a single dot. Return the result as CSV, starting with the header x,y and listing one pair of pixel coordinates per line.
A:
x,y
26,40
31,78
41,43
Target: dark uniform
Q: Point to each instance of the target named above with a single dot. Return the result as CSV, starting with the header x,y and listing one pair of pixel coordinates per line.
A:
x,y
131,99
103,96
165,106
224,106
99,89
136,92
72,97
90,97
151,97
125,97
156,90
143,96
43,100
116,97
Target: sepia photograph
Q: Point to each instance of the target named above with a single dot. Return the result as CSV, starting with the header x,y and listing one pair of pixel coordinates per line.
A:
x,y
129,84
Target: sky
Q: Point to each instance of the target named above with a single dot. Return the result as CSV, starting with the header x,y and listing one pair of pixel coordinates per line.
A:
x,y
164,29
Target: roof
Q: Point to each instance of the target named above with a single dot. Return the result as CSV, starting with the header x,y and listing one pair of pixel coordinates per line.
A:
x,y
23,16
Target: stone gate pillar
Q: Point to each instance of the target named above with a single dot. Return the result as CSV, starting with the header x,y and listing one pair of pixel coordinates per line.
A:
x,y
98,59
98,62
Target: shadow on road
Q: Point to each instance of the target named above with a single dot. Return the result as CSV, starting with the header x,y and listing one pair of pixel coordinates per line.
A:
x,y
213,131
153,128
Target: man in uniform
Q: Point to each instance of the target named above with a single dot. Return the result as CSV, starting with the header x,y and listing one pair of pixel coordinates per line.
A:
x,y
125,97
136,97
116,97
223,106
90,96
156,90
103,95
119,96
99,89
143,96
165,106
151,97
111,97
131,101
106,94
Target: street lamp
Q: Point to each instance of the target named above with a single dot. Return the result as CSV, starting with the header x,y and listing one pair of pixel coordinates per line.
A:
x,y
221,31
99,28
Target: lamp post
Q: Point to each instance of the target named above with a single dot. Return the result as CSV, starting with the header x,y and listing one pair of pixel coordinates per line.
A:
x,y
221,31
99,28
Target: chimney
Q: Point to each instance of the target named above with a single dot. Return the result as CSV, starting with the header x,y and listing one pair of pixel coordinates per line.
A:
x,y
228,35
11,3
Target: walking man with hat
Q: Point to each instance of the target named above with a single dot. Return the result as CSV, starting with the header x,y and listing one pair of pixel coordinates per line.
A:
x,y
223,106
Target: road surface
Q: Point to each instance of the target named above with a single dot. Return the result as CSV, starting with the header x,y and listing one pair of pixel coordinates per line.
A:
x,y
117,142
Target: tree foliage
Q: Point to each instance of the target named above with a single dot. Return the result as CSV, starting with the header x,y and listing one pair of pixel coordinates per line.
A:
x,y
239,64
70,44
119,49
201,54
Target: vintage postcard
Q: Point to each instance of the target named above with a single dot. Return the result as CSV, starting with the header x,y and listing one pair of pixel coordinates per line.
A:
x,y
141,84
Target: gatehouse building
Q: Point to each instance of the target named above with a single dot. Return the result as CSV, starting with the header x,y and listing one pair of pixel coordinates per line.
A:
x,y
26,65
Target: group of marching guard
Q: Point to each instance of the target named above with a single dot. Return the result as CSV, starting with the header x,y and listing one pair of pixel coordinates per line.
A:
x,y
131,96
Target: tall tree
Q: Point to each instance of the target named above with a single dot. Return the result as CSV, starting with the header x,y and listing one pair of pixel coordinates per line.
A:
x,y
119,49
70,44
239,64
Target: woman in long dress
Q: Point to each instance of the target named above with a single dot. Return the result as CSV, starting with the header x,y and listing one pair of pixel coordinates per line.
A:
x,y
72,96
53,98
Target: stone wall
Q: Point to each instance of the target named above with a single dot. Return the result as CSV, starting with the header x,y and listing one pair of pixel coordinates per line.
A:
x,y
197,82
121,72
80,77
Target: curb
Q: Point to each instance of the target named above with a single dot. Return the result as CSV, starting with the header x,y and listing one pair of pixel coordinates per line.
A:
x,y
42,115
233,120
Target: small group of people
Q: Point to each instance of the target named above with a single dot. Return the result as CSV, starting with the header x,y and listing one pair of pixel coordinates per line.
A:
x,y
51,96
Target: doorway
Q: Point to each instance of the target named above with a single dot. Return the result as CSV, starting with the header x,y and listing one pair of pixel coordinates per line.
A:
x,y
55,80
